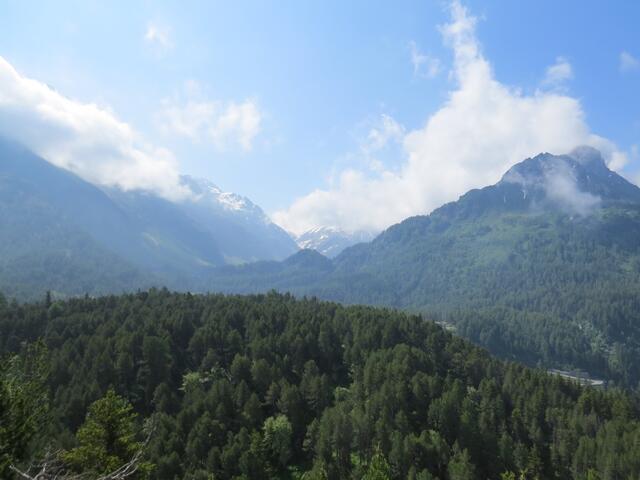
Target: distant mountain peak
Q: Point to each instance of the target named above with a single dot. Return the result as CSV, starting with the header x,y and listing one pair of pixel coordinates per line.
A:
x,y
308,258
206,190
581,159
330,240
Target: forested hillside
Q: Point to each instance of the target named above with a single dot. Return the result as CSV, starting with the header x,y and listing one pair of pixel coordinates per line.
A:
x,y
267,386
542,267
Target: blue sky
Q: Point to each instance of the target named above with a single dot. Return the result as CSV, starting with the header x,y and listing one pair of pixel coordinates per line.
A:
x,y
277,100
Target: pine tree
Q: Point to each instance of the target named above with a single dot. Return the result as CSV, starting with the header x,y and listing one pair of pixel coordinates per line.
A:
x,y
460,466
277,439
23,403
378,468
107,439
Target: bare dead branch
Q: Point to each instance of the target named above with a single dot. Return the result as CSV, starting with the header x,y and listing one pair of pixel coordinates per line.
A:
x,y
52,468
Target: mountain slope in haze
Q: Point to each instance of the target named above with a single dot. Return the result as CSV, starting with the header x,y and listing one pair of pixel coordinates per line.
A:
x,y
145,230
42,246
331,241
244,233
543,266
64,234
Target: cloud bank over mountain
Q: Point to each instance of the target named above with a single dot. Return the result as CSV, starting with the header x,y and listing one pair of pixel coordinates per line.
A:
x,y
482,129
84,138
91,141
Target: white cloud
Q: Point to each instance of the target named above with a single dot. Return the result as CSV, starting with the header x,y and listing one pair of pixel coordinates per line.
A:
x,y
238,123
382,141
558,73
380,135
563,188
628,62
158,37
423,65
188,120
226,125
82,137
482,129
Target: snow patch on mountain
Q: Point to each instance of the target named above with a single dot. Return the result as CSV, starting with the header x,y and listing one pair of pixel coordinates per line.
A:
x,y
207,192
244,232
331,241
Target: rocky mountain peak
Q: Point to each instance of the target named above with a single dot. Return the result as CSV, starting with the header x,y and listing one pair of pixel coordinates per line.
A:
x,y
581,174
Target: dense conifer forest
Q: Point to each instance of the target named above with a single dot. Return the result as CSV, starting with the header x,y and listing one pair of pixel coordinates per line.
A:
x,y
267,386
